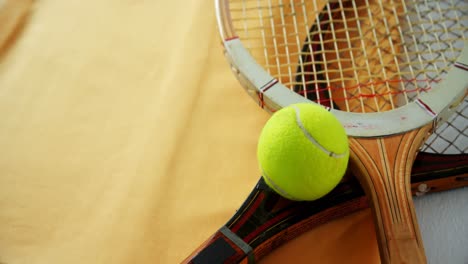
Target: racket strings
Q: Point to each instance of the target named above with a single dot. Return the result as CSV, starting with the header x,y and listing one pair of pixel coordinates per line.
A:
x,y
452,136
358,56
372,39
361,55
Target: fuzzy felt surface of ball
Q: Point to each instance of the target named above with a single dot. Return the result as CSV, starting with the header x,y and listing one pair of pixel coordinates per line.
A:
x,y
303,152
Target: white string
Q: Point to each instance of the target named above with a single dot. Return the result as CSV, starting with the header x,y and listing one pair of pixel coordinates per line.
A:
x,y
425,32
286,45
351,54
312,57
363,46
395,59
275,44
322,47
262,33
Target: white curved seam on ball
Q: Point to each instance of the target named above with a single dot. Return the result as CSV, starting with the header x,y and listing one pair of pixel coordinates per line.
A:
x,y
312,139
277,188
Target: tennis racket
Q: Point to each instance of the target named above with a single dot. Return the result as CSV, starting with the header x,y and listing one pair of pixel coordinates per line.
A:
x,y
391,71
12,13
266,220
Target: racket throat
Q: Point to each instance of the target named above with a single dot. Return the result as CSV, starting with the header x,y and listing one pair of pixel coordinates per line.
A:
x,y
383,167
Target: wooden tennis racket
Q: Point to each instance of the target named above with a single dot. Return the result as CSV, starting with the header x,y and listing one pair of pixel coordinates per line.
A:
x,y
391,71
12,12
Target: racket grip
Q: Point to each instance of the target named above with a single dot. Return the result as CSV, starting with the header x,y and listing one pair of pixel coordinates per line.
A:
x,y
406,250
399,239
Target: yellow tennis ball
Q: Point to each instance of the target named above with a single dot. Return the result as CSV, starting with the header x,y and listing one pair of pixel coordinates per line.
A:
x,y
303,152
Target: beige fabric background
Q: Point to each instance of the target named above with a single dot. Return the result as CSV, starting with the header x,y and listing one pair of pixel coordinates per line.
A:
x,y
124,138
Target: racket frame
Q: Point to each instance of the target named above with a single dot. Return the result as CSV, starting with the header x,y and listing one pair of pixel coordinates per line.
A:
x,y
375,138
434,106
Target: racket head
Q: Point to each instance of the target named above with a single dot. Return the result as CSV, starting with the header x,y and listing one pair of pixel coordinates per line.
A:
x,y
252,18
274,86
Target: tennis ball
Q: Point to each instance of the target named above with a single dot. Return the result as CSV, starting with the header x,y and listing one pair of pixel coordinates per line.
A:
x,y
303,152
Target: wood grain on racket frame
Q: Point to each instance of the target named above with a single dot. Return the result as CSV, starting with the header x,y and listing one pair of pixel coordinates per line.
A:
x,y
11,14
265,221
382,165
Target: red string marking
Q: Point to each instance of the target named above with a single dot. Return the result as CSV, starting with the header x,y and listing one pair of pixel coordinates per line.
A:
x,y
260,100
426,107
231,38
361,95
262,103
461,65
262,90
326,101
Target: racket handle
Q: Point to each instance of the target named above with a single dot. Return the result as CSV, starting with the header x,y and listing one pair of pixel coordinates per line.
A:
x,y
405,251
383,167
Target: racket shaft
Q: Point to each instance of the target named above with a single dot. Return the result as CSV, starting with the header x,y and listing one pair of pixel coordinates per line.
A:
x,y
383,167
